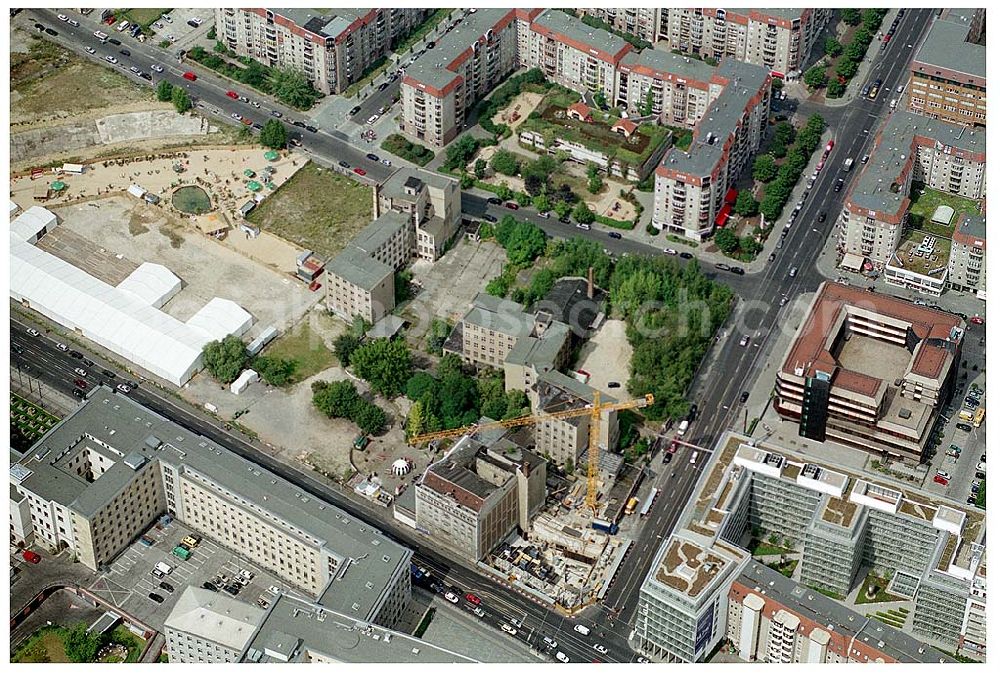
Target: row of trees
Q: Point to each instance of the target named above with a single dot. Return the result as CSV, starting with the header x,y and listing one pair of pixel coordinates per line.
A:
x,y
286,84
166,92
852,55
341,400
778,191
453,399
225,360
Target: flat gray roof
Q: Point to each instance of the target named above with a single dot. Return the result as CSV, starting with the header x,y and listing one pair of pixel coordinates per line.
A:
x,y
668,62
540,351
430,68
325,22
380,230
215,616
357,267
872,189
562,390
573,28
292,629
945,45
973,225
496,313
126,426
833,616
393,187
720,120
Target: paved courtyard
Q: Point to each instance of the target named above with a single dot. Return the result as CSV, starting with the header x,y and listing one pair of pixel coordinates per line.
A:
x,y
606,356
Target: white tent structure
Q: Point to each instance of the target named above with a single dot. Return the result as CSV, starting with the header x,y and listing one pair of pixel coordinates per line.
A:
x,y
246,378
151,283
14,209
114,318
31,224
221,317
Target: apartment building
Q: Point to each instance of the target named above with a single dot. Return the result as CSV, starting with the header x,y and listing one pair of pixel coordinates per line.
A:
x,y
106,472
908,148
773,619
642,22
574,54
967,261
679,88
869,371
835,522
332,50
478,493
562,440
431,201
776,39
440,88
360,281
948,72
209,627
691,186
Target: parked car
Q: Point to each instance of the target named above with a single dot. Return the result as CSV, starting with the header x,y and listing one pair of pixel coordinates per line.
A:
x,y
614,384
583,225
822,217
744,396
561,657
360,171
31,557
490,218
209,586
167,586
550,642
32,332
371,156
122,388
496,201
600,649
511,205
343,164
508,629
670,251
615,235
450,596
582,629
964,427
793,271
473,599
744,340
155,597
686,255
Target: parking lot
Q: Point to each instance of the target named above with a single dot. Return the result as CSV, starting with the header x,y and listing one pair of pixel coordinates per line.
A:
x,y
129,580
177,30
962,470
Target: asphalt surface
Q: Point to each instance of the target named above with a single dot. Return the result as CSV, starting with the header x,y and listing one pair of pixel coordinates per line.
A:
x,y
757,314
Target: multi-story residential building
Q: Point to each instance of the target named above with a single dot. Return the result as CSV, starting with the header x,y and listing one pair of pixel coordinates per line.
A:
x,y
776,39
478,493
562,440
948,72
209,627
498,333
574,54
106,472
682,87
835,522
774,619
967,262
361,279
869,371
642,22
908,148
433,203
691,186
205,626
332,50
445,83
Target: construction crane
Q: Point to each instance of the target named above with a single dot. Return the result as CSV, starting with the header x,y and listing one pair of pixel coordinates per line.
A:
x,y
594,411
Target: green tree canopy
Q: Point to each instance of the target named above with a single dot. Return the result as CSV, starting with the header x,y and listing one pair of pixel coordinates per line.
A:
x,y
726,240
852,17
164,91
181,100
292,87
274,135
764,168
385,364
505,162
275,371
815,77
226,359
582,213
343,346
746,205
832,47
460,152
480,168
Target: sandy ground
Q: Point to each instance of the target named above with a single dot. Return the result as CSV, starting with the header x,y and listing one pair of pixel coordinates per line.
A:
x,y
606,356
523,105
206,268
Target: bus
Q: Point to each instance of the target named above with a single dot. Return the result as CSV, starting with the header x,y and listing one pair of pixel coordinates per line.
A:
x,y
630,506
980,415
649,503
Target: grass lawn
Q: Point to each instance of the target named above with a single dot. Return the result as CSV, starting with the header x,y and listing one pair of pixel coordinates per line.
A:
x,y
912,238
52,82
786,569
144,16
306,348
45,645
317,209
760,548
922,209
880,596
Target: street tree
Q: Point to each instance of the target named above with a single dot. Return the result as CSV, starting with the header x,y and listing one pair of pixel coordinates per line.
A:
x,y
181,100
764,168
274,135
583,214
164,91
746,205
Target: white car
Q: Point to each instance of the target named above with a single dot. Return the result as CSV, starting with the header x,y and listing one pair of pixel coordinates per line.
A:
x,y
166,17
899,89
74,23
479,612
642,660
783,302
274,589
134,70
516,623
387,162
63,17
981,466
80,371
508,629
944,474
111,59
600,649
156,68
32,332
373,119
561,657
793,271
123,388
450,596
62,347
550,642
582,629
196,21
670,251
581,225
744,340
91,50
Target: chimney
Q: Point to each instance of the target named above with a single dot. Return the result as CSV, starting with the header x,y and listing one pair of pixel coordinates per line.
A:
x,y
590,283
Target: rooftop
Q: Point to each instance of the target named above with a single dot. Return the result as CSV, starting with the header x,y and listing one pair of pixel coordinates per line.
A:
x,y
570,30
661,64
690,568
214,616
355,263
945,46
496,313
567,301
395,186
325,22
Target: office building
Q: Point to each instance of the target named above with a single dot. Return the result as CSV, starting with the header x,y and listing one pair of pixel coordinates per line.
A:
x,y
110,469
208,627
967,261
835,522
776,39
479,492
869,371
691,186
948,71
972,638
332,50
432,202
563,440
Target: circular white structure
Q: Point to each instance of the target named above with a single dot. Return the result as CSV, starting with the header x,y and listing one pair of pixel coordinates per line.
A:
x,y
401,467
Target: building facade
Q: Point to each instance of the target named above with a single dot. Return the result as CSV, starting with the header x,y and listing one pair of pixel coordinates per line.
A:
x,y
563,440
676,89
642,22
431,201
948,72
332,50
967,262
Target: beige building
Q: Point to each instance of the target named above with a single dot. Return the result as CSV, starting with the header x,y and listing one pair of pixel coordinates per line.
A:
x,y
104,474
561,440
678,88
967,262
478,493
642,22
208,627
332,50
908,148
869,371
776,39
690,186
948,72
431,201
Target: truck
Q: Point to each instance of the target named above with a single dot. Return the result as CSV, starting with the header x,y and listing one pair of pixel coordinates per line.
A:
x,y
848,163
630,506
683,427
605,526
182,552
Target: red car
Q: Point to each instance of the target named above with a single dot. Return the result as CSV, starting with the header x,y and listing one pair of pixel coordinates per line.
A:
x,y
978,320
190,76
360,171
829,146
233,95
940,480
673,447
246,121
473,599
511,205
31,557
80,383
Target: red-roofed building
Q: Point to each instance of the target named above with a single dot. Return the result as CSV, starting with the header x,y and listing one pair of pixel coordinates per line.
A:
x,y
625,127
869,371
580,112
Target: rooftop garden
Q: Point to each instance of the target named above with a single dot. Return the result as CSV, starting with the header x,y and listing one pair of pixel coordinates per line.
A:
x,y
924,201
930,260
